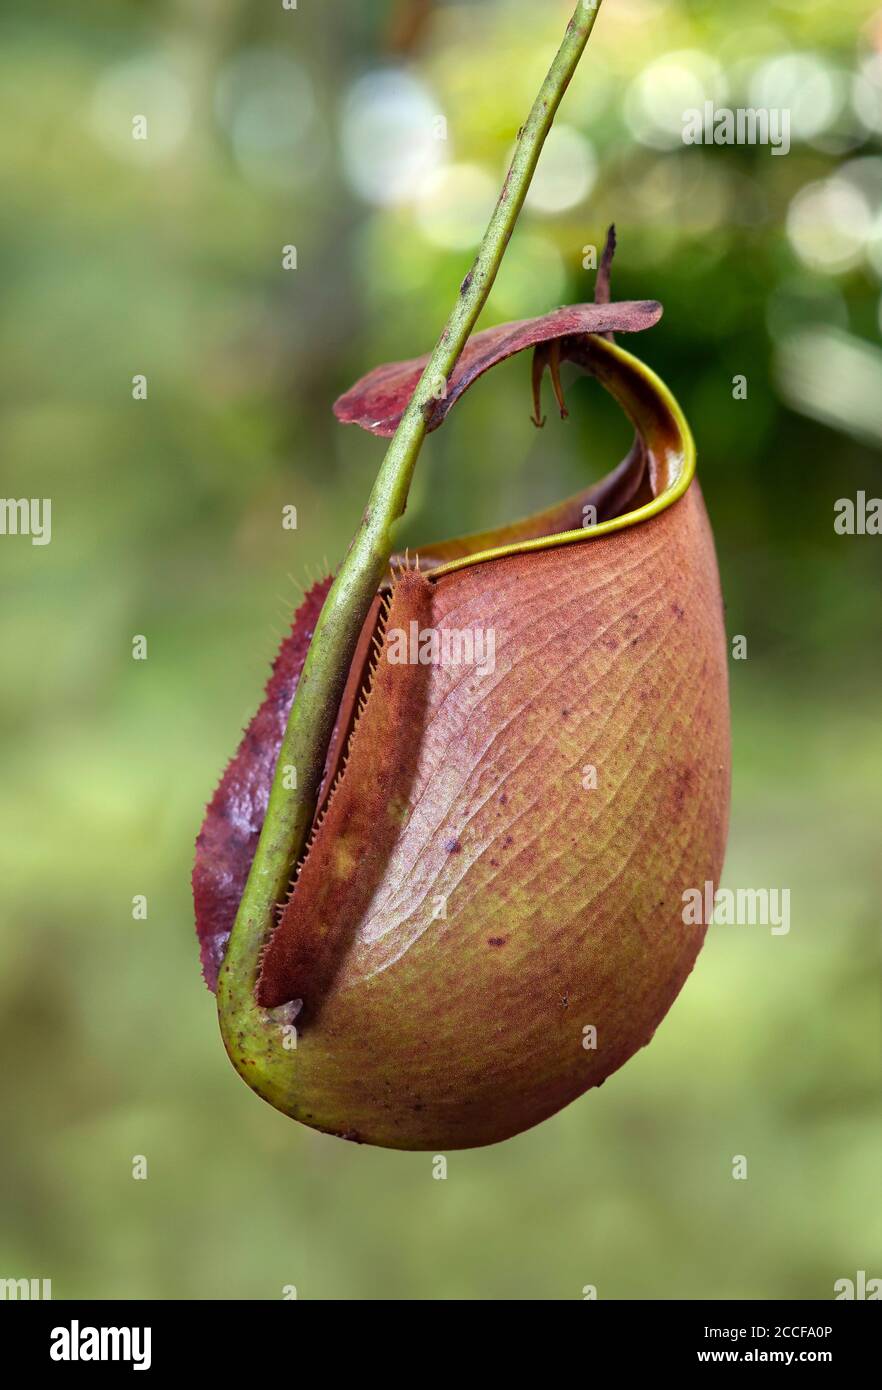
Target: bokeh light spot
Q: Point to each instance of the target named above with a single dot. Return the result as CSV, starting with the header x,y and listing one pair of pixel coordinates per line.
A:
x,y
867,94
565,174
828,223
658,97
265,102
146,86
393,136
802,83
454,205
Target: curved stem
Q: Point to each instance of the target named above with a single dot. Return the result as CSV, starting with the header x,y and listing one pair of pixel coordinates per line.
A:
x,y
310,725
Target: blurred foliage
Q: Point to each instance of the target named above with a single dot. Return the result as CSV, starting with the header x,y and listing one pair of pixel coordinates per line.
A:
x,y
164,258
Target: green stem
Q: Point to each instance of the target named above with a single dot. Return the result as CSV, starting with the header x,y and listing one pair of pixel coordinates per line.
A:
x,y
310,725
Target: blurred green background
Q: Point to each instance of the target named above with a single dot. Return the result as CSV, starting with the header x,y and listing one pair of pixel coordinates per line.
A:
x,y
319,128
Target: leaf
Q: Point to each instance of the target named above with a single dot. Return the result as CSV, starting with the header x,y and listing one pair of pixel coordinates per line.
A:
x,y
378,400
